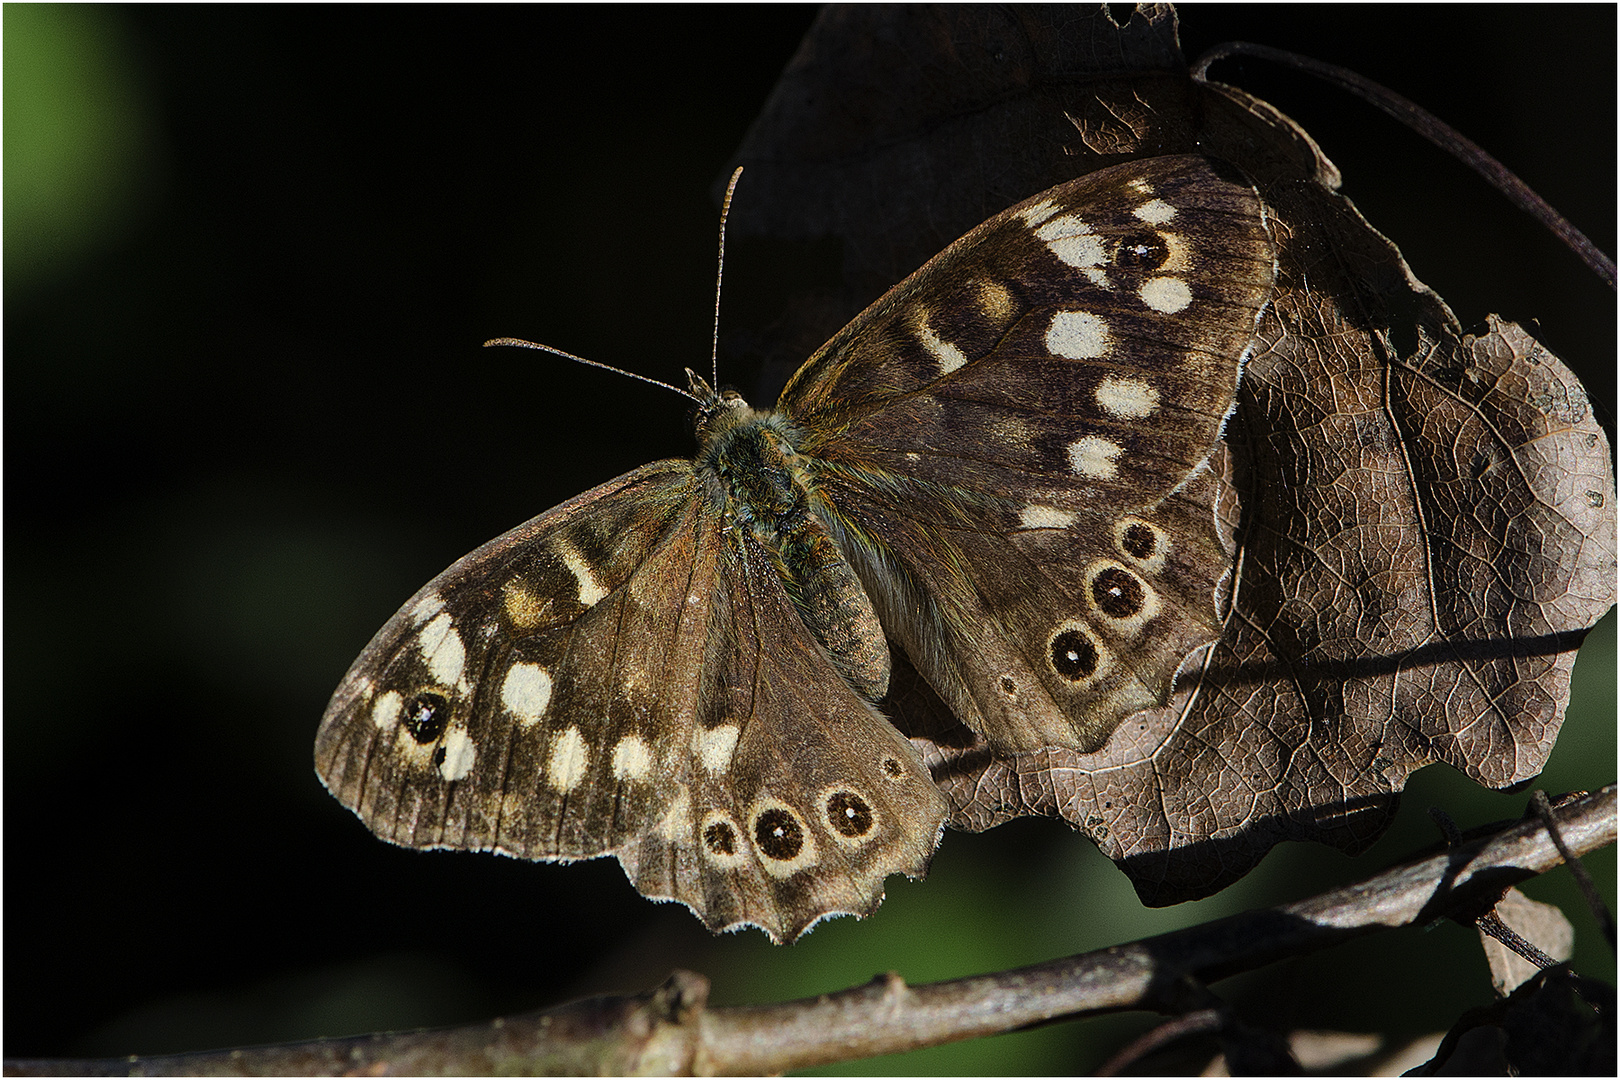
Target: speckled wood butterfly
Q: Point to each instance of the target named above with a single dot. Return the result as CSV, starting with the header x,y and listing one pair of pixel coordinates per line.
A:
x,y
998,468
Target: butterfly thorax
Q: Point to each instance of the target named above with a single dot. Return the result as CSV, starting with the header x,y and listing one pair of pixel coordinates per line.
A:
x,y
750,464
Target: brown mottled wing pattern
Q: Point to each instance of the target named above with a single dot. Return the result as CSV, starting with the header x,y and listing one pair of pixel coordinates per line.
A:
x,y
625,675
1005,444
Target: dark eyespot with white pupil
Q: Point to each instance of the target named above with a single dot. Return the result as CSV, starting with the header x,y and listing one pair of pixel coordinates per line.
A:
x,y
849,814
1118,593
1145,251
778,835
1073,656
720,838
425,716
1138,541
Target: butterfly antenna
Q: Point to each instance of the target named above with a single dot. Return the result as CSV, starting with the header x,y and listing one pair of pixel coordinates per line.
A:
x,y
590,363
719,275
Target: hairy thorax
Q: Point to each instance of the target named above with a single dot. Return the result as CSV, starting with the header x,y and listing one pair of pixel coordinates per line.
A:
x,y
749,460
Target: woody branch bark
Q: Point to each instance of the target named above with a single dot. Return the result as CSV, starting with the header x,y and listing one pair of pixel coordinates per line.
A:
x,y
671,1031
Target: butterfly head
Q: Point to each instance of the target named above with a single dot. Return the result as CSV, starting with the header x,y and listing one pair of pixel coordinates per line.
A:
x,y
716,410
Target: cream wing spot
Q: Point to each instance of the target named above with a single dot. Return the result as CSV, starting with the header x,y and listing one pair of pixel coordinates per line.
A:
x,y
1166,295
715,746
591,591
385,710
1127,398
1073,242
1035,213
946,355
1078,335
1060,228
1178,257
569,761
631,758
526,692
442,650
676,824
1155,212
1095,457
1035,516
459,753
427,607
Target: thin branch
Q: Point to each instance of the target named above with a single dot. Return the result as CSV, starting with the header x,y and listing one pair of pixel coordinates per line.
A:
x,y
670,1030
1493,925
1594,900
1436,131
1199,1022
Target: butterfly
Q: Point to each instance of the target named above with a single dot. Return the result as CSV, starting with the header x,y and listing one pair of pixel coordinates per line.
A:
x,y
996,474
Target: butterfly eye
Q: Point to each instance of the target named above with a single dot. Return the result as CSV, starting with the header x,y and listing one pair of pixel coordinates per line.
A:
x,y
1117,593
1074,656
425,717
849,814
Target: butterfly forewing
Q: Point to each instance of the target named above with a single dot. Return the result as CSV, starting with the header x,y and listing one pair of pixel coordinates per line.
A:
x,y
1005,440
444,733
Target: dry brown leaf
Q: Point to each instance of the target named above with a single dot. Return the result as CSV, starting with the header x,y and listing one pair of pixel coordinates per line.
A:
x,y
1422,519
1542,925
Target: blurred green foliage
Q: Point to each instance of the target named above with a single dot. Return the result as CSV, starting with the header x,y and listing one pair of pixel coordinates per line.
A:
x,y
78,137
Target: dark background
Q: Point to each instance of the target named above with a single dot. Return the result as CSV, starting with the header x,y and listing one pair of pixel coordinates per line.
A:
x,y
250,254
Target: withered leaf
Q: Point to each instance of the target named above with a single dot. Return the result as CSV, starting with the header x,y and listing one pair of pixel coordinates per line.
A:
x,y
1422,520
1542,925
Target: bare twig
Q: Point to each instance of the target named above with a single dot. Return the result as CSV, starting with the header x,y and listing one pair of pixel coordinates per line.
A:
x,y
1201,1022
1594,900
1436,131
671,1031
1492,924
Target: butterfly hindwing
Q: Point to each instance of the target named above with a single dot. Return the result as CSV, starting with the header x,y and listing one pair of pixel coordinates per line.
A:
x,y
799,797
1004,439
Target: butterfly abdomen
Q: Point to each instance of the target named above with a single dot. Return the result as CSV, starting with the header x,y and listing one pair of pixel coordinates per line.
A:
x,y
757,473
